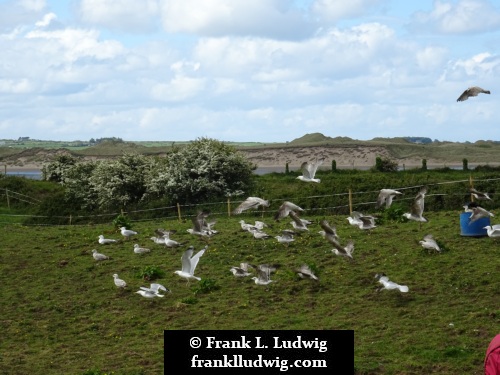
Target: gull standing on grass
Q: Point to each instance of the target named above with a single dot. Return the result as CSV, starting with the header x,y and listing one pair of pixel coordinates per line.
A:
x,y
386,196
189,263
127,233
140,250
389,285
430,243
119,282
417,208
493,231
153,291
98,256
250,203
286,237
309,170
104,241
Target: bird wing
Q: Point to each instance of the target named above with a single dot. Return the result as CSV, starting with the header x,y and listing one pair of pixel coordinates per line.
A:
x,y
186,259
250,202
306,168
313,167
195,259
327,227
296,218
338,246
156,287
285,209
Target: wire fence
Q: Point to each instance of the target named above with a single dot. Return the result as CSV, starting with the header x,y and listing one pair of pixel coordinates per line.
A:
x,y
328,204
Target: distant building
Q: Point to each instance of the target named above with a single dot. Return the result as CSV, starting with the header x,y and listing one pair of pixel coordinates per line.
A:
x,y
22,139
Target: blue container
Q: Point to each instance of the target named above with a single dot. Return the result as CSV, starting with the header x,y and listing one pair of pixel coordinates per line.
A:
x,y
475,229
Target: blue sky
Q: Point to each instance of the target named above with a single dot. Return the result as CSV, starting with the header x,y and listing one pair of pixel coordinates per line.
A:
x,y
239,70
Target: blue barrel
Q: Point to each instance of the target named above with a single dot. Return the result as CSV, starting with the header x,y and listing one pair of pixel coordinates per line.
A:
x,y
475,229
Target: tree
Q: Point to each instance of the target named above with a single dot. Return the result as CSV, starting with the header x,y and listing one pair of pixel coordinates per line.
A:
x,y
56,170
203,170
385,165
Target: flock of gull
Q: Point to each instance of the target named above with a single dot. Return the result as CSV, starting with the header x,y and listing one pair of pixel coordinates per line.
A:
x,y
204,229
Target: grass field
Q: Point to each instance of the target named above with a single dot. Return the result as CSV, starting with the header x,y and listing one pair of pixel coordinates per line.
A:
x,y
62,314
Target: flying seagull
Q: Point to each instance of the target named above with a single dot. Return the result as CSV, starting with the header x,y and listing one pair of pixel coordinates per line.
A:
x,y
189,263
99,256
386,196
309,170
345,251
286,237
472,91
361,221
305,272
329,232
119,282
242,270
263,274
478,213
387,284
153,291
250,203
430,243
298,223
201,227
285,209
479,196
104,241
417,207
127,233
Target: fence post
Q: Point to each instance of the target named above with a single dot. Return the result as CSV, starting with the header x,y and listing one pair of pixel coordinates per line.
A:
x,y
350,202
69,219
471,183
228,206
7,194
179,211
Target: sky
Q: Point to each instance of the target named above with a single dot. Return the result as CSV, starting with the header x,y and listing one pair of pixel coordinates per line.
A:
x,y
256,71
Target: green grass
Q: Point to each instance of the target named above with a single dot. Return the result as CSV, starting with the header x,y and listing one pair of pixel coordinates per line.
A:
x,y
61,312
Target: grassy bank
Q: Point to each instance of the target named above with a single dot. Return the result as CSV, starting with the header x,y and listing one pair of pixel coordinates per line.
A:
x,y
64,314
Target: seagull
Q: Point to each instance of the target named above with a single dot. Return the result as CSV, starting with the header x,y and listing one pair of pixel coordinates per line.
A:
x,y
430,243
246,227
478,213
472,91
493,231
309,170
386,196
286,237
250,203
305,271
158,240
329,232
189,263
259,235
200,226
153,291
104,241
165,238
361,221
263,275
285,209
345,251
99,256
119,282
127,233
298,223
417,208
479,196
140,250
242,270
387,284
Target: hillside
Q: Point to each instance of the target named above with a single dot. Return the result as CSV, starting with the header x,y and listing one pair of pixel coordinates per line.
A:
x,y
347,152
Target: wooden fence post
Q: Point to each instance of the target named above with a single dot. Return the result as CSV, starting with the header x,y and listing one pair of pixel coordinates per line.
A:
x,y
179,211
228,206
471,183
69,219
350,202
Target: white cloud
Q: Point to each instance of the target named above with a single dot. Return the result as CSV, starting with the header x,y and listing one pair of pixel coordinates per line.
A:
x,y
461,17
33,5
47,19
270,18
335,10
124,15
